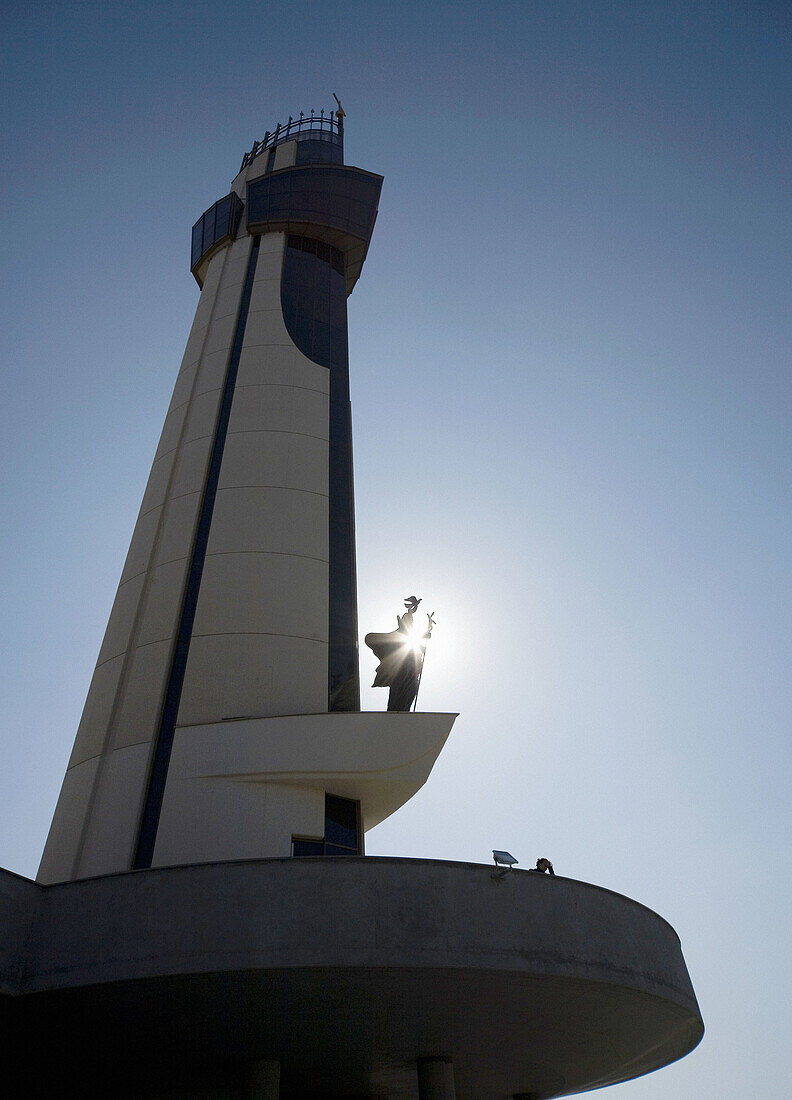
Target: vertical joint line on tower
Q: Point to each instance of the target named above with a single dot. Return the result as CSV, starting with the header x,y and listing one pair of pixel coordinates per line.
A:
x,y
162,752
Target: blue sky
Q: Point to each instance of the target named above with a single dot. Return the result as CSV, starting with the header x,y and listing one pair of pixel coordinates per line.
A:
x,y
571,398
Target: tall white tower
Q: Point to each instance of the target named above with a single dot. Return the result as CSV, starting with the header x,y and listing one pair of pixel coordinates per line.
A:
x,y
172,947
223,719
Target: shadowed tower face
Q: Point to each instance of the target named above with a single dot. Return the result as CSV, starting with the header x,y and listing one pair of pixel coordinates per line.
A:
x,y
237,599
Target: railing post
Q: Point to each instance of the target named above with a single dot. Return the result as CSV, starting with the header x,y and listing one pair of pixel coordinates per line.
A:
x,y
330,124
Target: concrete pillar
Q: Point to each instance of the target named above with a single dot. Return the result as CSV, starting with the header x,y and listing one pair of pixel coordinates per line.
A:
x,y
264,1081
436,1079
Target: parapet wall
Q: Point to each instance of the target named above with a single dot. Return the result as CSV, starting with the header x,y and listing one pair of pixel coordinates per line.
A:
x,y
527,983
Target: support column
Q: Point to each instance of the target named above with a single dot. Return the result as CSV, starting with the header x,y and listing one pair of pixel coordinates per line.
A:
x,y
436,1079
264,1081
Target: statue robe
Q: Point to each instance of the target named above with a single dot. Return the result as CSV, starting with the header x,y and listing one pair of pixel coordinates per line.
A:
x,y
400,664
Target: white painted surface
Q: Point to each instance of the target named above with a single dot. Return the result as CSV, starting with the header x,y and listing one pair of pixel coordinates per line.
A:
x,y
177,528
142,544
271,519
157,487
285,157
280,408
93,830
61,849
281,366
259,641
258,593
163,602
140,702
242,789
97,711
191,465
275,458
122,618
111,833
229,675
260,634
220,819
174,423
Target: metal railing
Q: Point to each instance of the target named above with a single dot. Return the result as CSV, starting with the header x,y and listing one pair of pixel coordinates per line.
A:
x,y
329,127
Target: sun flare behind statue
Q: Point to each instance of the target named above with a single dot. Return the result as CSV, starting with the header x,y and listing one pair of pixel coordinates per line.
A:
x,y
401,656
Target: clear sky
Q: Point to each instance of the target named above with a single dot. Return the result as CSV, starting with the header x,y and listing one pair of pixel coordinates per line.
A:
x,y
570,357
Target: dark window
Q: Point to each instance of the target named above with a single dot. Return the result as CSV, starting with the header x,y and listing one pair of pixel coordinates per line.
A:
x,y
342,831
209,230
341,825
343,198
216,223
316,151
303,847
222,214
197,242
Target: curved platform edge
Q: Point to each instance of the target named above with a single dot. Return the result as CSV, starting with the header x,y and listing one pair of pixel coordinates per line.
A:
x,y
534,984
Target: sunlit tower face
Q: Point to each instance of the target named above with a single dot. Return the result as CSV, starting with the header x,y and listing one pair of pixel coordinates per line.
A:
x,y
238,597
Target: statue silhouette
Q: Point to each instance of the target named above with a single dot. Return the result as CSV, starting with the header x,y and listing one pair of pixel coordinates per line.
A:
x,y
401,655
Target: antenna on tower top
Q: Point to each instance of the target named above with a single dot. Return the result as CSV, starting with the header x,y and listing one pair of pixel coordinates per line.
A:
x,y
340,114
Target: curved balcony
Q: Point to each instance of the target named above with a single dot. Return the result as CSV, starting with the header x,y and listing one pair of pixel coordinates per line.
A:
x,y
328,202
215,227
344,971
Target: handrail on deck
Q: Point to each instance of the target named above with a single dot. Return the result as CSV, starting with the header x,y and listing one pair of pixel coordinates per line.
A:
x,y
331,125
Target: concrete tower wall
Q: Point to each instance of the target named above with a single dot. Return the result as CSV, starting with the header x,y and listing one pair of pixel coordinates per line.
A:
x,y
259,639
259,642
97,816
237,600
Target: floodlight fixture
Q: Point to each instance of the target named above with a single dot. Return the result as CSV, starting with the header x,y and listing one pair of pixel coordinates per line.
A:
x,y
504,860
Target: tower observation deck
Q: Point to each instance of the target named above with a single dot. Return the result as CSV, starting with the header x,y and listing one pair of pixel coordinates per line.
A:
x,y
173,944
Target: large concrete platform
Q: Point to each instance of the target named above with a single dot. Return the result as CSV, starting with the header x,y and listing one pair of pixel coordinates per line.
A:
x,y
344,973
